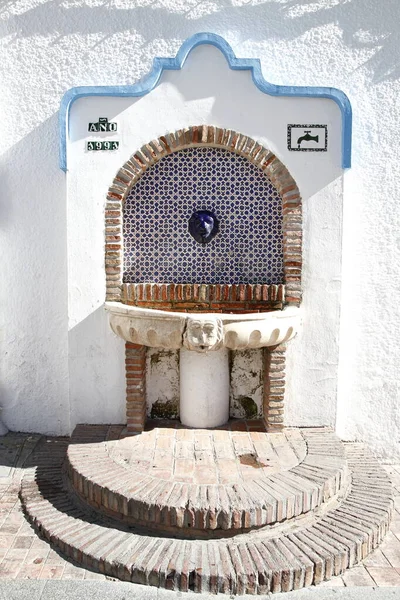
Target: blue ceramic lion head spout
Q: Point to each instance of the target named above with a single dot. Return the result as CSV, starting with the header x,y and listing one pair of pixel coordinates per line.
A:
x,y
203,226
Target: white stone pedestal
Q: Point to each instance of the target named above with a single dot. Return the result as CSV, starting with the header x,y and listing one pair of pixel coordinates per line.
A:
x,y
204,383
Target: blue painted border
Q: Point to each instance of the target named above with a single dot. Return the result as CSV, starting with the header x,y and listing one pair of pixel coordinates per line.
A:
x,y
149,82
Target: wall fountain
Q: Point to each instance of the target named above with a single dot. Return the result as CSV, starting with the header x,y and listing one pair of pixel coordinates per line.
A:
x,y
238,206
203,256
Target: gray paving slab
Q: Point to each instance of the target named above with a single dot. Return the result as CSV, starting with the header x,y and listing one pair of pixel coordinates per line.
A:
x,y
21,590
354,593
101,590
96,590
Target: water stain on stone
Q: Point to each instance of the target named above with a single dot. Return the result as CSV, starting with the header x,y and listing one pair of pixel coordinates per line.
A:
x,y
249,406
165,410
251,460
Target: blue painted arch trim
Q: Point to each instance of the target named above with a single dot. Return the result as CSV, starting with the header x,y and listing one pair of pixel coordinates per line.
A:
x,y
149,82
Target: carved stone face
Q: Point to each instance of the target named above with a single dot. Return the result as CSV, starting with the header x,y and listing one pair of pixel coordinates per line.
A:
x,y
203,335
203,226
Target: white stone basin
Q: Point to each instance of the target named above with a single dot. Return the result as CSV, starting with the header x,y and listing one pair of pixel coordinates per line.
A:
x,y
202,332
204,341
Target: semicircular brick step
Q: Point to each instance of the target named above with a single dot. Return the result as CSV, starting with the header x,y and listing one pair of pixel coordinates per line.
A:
x,y
312,549
249,482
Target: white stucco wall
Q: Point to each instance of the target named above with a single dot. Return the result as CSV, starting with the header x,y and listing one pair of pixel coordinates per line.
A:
x,y
49,378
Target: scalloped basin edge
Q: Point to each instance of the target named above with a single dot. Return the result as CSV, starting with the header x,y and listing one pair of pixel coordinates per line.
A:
x,y
165,329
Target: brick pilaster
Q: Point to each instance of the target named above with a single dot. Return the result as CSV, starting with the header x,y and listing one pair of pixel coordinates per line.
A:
x,y
274,387
135,368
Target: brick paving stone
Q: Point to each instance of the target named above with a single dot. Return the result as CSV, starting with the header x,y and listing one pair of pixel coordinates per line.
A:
x,y
390,548
54,559
51,572
396,513
357,576
376,559
12,524
18,555
229,471
37,555
202,440
184,450
164,442
395,527
204,475
187,435
333,582
93,575
23,541
73,572
9,569
29,571
184,469
168,429
3,552
6,541
384,577
39,543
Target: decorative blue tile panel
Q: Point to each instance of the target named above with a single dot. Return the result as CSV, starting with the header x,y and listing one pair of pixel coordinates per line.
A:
x,y
158,247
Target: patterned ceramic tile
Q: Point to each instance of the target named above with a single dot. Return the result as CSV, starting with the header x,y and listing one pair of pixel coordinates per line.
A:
x,y
158,247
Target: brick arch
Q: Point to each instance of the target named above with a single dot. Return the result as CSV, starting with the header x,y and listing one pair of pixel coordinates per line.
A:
x,y
201,136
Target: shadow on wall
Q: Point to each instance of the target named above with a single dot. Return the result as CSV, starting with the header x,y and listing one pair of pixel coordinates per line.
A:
x,y
36,349
373,27
34,311
365,26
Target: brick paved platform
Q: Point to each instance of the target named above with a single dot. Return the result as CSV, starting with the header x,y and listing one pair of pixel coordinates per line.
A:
x,y
310,548
206,483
